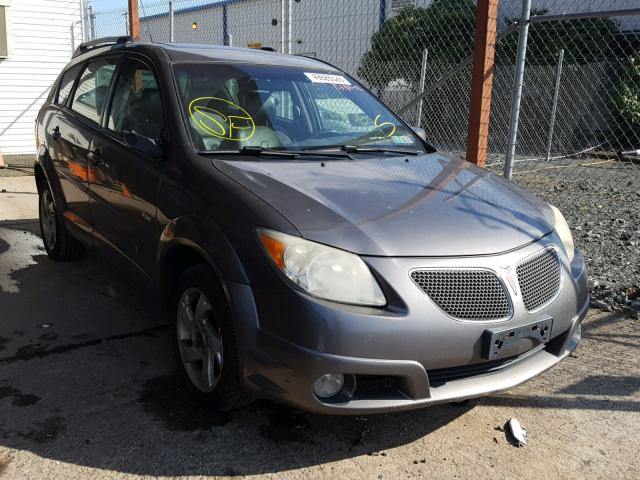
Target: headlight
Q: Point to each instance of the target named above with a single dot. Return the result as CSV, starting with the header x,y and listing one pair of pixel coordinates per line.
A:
x,y
322,271
562,229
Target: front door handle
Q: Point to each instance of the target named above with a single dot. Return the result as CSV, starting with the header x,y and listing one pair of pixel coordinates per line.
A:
x,y
55,133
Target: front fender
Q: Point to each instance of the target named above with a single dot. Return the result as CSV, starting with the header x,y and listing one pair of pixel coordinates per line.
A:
x,y
206,239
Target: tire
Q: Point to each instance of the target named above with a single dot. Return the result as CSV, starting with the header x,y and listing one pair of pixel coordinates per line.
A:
x,y
58,243
204,337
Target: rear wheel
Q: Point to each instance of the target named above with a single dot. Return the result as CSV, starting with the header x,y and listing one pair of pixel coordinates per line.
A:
x,y
205,341
58,243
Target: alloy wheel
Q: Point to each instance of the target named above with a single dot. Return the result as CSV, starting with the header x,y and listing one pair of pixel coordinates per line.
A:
x,y
199,340
48,219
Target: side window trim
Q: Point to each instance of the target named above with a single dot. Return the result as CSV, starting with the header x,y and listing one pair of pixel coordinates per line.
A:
x,y
121,63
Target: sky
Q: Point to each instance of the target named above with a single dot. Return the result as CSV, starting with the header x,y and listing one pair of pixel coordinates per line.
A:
x,y
111,4
108,4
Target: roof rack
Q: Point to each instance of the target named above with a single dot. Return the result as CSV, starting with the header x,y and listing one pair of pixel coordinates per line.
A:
x,y
101,42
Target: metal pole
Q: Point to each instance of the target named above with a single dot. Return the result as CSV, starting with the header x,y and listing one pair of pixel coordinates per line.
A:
x,y
92,22
554,107
171,38
230,41
517,91
289,27
83,23
423,79
282,26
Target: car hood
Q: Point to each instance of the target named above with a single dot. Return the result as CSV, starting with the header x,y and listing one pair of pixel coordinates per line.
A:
x,y
431,205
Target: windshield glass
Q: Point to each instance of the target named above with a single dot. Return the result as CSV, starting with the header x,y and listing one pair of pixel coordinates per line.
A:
x,y
229,107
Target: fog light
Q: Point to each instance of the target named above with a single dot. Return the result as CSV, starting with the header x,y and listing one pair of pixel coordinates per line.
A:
x,y
328,385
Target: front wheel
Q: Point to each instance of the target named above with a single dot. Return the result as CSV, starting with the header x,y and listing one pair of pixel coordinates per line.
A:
x,y
205,341
58,243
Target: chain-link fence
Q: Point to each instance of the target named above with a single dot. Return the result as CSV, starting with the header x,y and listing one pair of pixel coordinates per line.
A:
x,y
579,120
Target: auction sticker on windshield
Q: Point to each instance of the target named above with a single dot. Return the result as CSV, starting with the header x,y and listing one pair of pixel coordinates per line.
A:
x,y
327,78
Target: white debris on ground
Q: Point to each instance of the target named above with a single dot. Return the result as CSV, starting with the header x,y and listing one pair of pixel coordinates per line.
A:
x,y
518,433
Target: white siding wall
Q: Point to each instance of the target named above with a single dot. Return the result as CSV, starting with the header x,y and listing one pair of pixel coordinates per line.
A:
x,y
44,34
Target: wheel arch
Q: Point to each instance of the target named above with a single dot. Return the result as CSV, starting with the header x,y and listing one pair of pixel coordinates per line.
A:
x,y
45,174
179,251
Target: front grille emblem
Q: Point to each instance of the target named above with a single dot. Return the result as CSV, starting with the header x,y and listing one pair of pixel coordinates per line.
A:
x,y
509,274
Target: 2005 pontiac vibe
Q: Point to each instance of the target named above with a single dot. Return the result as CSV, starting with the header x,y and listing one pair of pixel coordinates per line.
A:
x,y
308,245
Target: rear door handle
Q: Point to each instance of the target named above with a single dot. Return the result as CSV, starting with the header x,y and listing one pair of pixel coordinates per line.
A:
x,y
55,133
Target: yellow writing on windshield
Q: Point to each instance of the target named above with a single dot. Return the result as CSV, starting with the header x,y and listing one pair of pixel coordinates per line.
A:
x,y
384,124
221,118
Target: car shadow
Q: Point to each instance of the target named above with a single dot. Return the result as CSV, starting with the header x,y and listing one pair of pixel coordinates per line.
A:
x,y
87,377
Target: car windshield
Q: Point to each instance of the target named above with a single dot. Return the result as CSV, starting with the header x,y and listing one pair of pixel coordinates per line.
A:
x,y
229,107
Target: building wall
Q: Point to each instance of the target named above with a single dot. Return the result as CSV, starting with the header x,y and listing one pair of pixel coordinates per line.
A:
x,y
44,34
208,18
336,31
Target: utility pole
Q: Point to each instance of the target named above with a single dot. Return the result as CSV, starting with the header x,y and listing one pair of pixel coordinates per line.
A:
x,y
482,81
134,20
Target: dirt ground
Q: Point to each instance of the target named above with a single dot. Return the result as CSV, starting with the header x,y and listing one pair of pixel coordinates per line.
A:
x,y
87,391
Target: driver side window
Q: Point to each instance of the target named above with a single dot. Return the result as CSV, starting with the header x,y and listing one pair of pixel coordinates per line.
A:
x,y
136,106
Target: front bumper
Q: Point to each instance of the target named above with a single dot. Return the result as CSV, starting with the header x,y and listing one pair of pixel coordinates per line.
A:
x,y
406,356
411,387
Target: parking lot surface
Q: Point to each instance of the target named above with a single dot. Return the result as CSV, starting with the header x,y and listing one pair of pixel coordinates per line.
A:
x,y
87,390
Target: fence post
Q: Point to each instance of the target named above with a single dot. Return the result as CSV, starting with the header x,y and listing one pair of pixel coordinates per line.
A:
x,y
171,39
523,34
92,22
423,80
283,48
554,106
482,81
134,20
289,27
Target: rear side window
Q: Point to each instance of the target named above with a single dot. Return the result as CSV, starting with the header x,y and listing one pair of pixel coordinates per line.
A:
x,y
91,93
66,84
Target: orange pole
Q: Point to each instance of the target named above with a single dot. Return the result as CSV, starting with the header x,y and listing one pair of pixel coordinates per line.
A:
x,y
2,165
134,20
482,81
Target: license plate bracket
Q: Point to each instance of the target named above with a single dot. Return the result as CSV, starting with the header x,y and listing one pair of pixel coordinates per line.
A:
x,y
509,342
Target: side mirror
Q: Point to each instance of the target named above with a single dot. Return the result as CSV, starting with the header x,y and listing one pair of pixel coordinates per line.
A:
x,y
420,132
144,145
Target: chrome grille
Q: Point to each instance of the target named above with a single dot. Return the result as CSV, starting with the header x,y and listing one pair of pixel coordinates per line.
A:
x,y
539,278
465,294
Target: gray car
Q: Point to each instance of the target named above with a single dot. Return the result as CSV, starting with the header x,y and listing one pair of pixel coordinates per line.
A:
x,y
307,244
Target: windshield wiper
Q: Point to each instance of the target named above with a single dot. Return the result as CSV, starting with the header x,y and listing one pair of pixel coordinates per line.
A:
x,y
257,151
272,152
365,149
